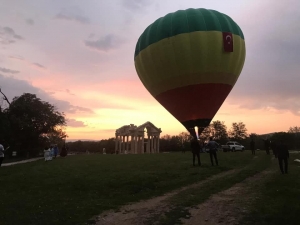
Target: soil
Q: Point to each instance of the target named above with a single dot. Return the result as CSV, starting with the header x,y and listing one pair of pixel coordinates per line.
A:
x,y
226,207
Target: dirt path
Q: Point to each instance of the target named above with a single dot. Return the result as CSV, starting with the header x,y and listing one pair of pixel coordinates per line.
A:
x,y
141,212
22,161
226,207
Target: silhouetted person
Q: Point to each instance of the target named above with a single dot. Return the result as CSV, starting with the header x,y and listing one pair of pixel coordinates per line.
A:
x,y
283,155
252,146
55,150
1,153
64,151
182,148
213,146
195,146
273,147
267,146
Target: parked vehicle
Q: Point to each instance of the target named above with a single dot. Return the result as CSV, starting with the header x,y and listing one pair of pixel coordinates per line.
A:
x,y
232,146
206,149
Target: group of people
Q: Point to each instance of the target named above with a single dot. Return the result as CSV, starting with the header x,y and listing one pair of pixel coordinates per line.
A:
x,y
279,150
2,150
211,145
50,153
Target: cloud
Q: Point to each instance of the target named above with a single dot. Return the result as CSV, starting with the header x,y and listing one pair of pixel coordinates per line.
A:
x,y
4,70
69,92
13,87
29,21
75,123
72,15
20,58
105,43
75,109
270,78
39,65
136,5
8,36
16,57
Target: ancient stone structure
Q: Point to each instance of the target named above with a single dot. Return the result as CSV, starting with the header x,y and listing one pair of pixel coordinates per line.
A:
x,y
137,139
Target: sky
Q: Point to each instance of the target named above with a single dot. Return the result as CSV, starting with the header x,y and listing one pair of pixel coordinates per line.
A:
x,y
79,56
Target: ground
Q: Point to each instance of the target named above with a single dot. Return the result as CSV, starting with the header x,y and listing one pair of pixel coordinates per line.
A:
x,y
224,207
151,189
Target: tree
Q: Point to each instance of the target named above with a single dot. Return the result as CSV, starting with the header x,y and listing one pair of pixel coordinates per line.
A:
x,y
238,131
32,120
287,138
253,135
206,133
295,132
184,139
219,131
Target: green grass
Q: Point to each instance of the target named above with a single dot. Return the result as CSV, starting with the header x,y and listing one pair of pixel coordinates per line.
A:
x,y
193,196
73,189
278,199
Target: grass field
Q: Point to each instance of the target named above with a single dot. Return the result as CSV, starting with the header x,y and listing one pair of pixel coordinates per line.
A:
x,y
71,190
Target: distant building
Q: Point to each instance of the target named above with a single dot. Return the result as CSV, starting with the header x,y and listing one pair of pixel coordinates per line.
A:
x,y
137,139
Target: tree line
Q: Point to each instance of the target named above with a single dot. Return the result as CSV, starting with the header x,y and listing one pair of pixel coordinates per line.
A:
x,y
217,130
28,125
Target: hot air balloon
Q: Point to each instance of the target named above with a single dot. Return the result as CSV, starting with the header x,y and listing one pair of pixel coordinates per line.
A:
x,y
189,61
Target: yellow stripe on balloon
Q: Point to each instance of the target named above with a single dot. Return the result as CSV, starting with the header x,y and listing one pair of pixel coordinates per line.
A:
x,y
163,63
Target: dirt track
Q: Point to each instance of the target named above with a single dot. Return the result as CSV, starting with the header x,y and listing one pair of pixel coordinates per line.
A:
x,y
225,207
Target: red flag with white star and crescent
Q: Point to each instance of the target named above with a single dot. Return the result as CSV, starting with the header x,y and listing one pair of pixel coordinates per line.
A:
x,y
228,42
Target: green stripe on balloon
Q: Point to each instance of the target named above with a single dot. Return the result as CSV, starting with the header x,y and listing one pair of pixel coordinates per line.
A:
x,y
186,21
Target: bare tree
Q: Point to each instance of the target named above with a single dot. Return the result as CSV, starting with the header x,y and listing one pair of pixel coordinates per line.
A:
x,y
4,97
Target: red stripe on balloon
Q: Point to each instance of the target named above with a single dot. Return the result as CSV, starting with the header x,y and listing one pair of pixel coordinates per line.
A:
x,y
200,101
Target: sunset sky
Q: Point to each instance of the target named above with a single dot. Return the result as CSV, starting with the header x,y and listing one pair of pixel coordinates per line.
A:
x,y
79,56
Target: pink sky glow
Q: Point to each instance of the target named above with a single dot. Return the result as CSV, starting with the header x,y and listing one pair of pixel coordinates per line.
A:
x,y
78,55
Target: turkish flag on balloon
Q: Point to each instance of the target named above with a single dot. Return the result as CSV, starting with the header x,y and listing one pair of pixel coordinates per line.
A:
x,y
228,42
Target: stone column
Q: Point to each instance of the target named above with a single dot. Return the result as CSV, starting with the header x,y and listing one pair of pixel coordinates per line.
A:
x,y
148,144
154,143
119,143
126,145
158,144
123,144
139,145
135,144
131,144
142,148
116,144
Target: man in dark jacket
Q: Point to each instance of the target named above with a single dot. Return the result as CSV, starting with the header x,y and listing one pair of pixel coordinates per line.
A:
x,y
252,146
195,146
283,155
213,147
267,146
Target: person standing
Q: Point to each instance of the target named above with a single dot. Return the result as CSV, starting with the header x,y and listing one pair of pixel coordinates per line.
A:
x,y
64,151
252,146
283,156
55,148
267,146
195,146
213,147
1,154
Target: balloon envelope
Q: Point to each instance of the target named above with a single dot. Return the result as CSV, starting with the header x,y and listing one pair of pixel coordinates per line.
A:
x,y
189,61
